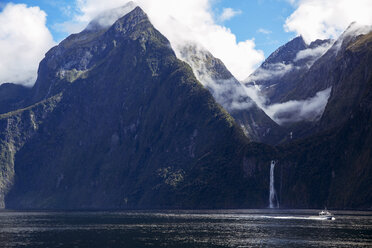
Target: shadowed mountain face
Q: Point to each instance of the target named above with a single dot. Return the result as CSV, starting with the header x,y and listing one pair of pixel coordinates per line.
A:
x,y
282,70
315,86
116,121
232,95
333,166
125,124
346,68
12,97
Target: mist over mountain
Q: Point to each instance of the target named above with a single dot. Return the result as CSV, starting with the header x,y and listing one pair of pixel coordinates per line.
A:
x,y
281,70
231,94
331,160
116,120
120,122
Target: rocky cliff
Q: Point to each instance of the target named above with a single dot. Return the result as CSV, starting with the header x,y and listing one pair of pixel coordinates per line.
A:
x,y
132,128
232,95
116,121
333,166
281,72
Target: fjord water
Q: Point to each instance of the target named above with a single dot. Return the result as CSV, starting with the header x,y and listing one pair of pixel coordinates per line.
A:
x,y
224,228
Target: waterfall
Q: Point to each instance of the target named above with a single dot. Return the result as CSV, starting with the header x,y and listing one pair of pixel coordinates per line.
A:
x,y
273,197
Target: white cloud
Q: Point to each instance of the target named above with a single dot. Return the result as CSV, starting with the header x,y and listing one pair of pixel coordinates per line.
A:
x,y
182,22
264,31
310,109
228,91
353,30
24,40
272,70
107,18
229,13
312,52
293,111
322,19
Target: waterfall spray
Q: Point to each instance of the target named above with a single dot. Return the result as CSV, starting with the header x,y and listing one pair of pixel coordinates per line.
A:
x,y
272,197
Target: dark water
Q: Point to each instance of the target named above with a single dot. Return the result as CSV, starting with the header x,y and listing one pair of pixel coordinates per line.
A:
x,y
227,228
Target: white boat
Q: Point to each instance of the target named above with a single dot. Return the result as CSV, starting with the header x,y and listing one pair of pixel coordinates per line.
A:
x,y
326,215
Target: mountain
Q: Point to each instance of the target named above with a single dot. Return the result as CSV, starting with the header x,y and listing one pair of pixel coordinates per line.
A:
x,y
280,72
328,161
120,122
12,97
231,94
333,167
344,69
313,87
116,121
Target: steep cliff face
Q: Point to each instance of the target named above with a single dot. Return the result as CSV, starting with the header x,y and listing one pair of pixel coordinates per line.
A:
x,y
351,74
133,129
345,70
325,74
116,121
13,97
282,70
16,129
333,168
232,95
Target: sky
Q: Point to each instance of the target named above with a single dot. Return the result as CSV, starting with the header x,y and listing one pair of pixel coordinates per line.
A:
x,y
261,20
242,33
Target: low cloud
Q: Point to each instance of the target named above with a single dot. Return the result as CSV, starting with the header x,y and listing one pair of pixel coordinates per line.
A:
x,y
228,13
24,40
353,30
293,111
278,70
310,109
227,91
313,54
270,71
323,19
107,18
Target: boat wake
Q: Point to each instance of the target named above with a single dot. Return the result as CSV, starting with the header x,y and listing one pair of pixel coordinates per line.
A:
x,y
296,217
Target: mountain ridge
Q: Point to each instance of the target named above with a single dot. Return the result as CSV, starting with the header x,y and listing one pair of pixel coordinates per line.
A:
x,y
117,121
137,130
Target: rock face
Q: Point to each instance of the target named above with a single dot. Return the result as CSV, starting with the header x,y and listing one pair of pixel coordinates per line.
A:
x,y
120,122
346,68
116,121
334,167
232,96
282,70
13,97
16,129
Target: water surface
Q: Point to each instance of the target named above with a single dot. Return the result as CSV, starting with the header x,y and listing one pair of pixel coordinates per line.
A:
x,y
224,228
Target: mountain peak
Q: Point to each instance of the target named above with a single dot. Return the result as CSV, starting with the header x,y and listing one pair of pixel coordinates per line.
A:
x,y
356,29
75,56
130,20
297,41
319,42
109,17
136,12
287,52
349,35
